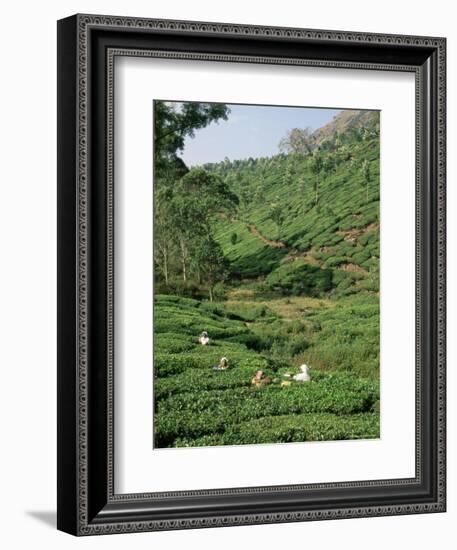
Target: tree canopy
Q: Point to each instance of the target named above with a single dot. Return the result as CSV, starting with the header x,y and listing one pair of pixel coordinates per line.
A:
x,y
174,121
297,140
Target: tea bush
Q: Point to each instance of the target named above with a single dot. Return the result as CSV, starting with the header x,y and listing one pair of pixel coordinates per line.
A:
x,y
327,247
195,405
300,278
290,429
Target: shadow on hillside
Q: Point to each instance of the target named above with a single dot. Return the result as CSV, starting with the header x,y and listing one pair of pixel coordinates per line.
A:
x,y
261,263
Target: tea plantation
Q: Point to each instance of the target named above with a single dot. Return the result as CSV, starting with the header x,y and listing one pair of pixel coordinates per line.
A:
x,y
282,270
195,405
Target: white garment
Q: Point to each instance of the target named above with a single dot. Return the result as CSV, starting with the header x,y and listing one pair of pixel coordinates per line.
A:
x,y
303,376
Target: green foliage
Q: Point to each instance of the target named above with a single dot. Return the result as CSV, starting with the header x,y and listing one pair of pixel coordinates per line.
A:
x,y
297,140
348,336
195,405
201,195
287,249
173,122
185,201
300,279
249,311
212,265
249,257
184,214
321,199
277,216
218,403
290,429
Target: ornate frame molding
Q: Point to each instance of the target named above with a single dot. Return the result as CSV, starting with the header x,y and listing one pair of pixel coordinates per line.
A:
x,y
77,508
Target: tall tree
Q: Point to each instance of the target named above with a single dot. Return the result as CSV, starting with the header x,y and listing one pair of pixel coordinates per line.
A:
x,y
208,194
316,168
184,213
277,216
297,140
173,217
197,199
302,186
246,193
174,121
164,232
212,264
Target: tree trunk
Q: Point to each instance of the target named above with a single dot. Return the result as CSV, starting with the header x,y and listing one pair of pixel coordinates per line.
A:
x,y
162,258
183,260
210,293
165,266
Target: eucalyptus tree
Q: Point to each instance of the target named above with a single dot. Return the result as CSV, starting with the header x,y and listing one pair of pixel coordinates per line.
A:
x,y
164,232
173,214
297,140
212,264
198,199
317,164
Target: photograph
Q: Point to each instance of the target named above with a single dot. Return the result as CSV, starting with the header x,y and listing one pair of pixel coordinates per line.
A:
x,y
251,273
266,274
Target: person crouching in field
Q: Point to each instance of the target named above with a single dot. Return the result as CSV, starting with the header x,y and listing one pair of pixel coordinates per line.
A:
x,y
260,379
303,376
223,364
203,338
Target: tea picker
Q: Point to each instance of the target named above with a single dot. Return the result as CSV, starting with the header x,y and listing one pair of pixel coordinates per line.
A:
x,y
223,364
203,338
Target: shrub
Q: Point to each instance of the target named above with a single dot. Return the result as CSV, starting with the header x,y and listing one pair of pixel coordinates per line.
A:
x,y
339,339
297,345
335,261
197,412
172,342
252,341
292,428
248,311
292,279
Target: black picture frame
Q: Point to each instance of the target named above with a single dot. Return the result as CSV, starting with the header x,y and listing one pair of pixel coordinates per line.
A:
x,y
87,45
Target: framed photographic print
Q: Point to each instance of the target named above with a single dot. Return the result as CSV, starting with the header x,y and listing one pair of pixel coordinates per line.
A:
x,y
251,274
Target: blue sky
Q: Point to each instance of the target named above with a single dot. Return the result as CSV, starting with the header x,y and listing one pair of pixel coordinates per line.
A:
x,y
250,131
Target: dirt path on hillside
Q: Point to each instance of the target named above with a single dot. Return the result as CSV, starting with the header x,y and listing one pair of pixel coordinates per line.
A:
x,y
293,253
253,229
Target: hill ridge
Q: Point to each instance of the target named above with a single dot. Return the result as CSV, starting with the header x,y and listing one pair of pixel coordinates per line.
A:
x,y
353,118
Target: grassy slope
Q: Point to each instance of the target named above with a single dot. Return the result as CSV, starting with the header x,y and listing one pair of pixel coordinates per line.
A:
x,y
340,232
249,256
270,321
197,406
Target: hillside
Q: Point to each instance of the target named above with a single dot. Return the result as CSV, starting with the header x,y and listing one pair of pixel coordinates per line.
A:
x,y
345,120
276,260
196,406
291,215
